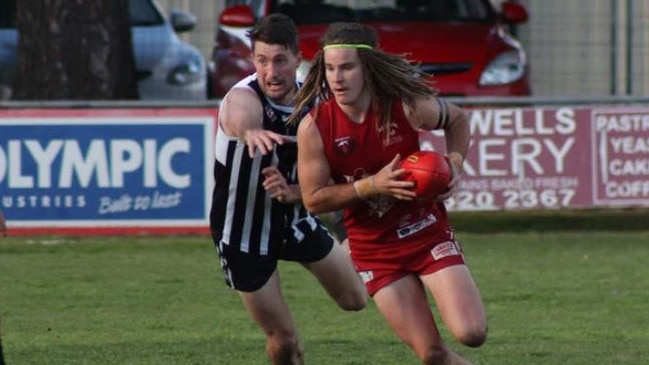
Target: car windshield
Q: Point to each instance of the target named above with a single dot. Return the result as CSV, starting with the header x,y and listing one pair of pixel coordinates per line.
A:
x,y
142,13
306,12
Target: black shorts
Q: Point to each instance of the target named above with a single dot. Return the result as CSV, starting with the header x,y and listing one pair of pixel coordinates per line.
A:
x,y
249,272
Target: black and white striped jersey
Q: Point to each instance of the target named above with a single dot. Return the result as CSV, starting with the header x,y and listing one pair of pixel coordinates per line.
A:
x,y
242,214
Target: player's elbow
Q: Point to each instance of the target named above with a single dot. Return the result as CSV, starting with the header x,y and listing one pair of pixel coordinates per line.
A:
x,y
313,206
313,201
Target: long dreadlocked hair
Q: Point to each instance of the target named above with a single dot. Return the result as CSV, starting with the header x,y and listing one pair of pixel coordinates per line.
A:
x,y
388,75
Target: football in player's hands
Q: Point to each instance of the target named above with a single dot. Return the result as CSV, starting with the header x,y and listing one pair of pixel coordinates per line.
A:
x,y
429,170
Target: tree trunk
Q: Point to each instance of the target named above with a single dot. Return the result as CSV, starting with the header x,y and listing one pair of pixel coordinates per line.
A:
x,y
74,50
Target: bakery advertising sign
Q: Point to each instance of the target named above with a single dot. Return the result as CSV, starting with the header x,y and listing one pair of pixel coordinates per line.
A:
x,y
97,168
620,140
552,158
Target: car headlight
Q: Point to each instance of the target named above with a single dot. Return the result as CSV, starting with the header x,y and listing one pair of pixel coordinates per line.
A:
x,y
185,73
506,68
303,70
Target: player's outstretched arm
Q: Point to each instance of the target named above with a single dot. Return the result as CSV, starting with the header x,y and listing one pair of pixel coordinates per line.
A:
x,y
241,115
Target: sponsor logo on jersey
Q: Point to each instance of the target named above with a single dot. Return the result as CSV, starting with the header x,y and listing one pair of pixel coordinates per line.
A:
x,y
366,276
445,249
416,227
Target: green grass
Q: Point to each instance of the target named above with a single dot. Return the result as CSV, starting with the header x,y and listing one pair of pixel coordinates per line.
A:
x,y
553,220
552,297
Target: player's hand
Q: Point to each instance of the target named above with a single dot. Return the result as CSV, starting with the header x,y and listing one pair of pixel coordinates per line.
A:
x,y
388,181
275,184
264,140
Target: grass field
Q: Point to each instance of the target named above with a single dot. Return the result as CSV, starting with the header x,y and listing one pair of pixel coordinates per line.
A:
x,y
554,295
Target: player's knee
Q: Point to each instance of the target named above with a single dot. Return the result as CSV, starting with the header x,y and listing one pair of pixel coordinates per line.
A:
x,y
285,339
352,302
432,355
284,345
473,337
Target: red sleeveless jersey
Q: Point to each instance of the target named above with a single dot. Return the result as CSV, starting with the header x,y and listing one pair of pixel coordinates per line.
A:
x,y
358,150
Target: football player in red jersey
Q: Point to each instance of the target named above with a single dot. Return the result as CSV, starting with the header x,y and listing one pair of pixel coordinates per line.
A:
x,y
371,107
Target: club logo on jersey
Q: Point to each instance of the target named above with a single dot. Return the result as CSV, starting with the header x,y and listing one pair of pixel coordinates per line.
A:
x,y
344,145
270,113
380,204
393,137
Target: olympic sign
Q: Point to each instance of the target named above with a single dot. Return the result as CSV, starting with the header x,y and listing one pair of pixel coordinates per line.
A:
x,y
552,158
125,170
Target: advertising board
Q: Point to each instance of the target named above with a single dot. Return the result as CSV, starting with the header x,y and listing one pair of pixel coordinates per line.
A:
x,y
141,171
553,158
117,170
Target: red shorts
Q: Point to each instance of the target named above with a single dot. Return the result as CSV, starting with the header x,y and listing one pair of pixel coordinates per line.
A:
x,y
386,263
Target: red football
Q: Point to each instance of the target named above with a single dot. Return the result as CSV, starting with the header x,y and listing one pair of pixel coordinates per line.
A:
x,y
429,170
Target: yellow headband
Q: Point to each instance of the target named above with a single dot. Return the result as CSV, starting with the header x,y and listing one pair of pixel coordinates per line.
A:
x,y
347,45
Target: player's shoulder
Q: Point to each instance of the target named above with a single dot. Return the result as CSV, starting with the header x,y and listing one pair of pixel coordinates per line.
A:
x,y
239,106
241,96
425,106
308,130
241,99
306,122
243,92
247,82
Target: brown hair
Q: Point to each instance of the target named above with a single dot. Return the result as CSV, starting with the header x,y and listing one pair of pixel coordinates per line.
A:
x,y
389,76
275,29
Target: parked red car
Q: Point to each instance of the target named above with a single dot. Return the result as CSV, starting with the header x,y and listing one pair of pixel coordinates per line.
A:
x,y
465,44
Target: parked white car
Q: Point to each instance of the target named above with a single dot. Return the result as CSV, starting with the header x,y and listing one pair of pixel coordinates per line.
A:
x,y
167,67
